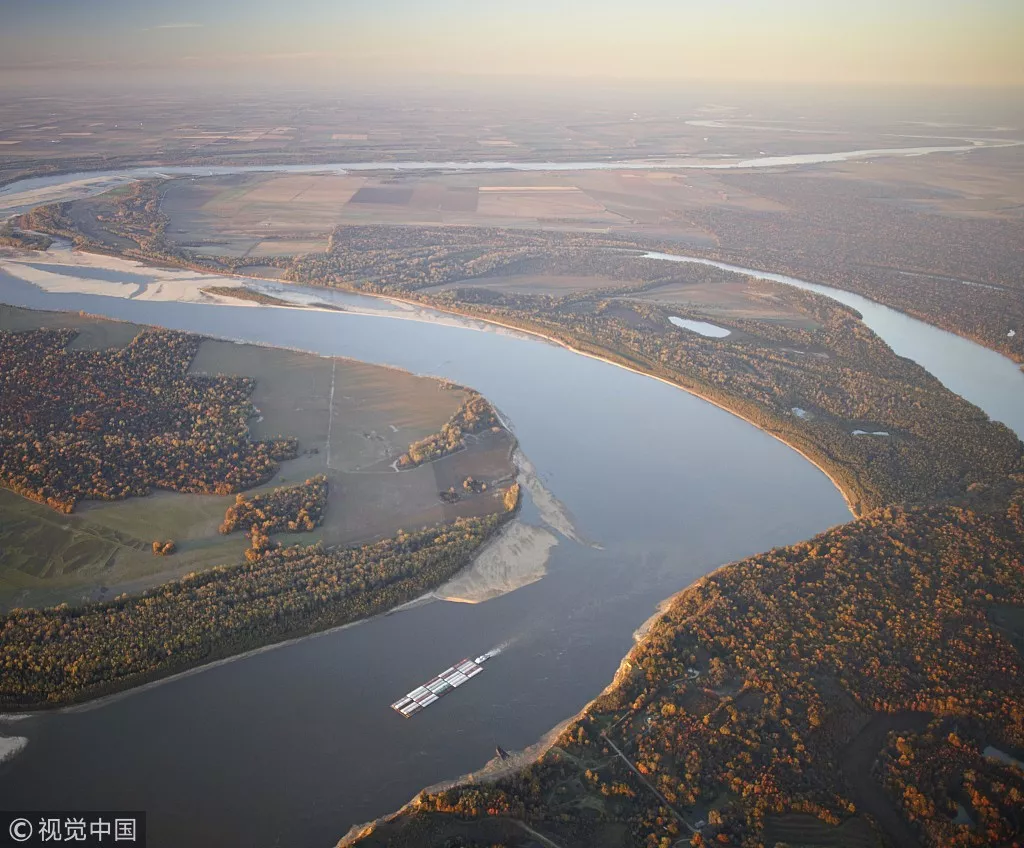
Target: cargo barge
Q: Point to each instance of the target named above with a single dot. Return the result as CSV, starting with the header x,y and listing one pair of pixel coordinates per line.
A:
x,y
449,679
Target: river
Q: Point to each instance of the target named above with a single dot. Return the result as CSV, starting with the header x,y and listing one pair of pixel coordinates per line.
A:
x,y
24,194
291,746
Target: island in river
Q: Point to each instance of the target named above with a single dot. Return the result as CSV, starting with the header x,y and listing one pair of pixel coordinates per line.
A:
x,y
128,460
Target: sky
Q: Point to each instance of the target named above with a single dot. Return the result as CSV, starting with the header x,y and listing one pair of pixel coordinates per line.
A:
x,y
916,42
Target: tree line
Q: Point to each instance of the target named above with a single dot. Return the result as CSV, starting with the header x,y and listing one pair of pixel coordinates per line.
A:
x,y
741,704
284,509
474,415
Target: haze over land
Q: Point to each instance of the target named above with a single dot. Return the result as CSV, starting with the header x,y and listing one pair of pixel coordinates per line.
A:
x,y
929,42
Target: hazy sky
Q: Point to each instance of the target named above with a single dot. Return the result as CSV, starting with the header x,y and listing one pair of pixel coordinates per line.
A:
x,y
899,41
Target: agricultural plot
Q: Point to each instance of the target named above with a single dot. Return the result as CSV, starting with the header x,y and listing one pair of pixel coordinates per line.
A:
x,y
540,203
534,284
263,215
256,215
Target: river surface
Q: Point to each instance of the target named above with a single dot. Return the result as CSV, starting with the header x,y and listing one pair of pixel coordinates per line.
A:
x,y
291,746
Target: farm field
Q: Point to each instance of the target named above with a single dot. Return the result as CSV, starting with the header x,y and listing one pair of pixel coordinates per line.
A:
x,y
256,215
351,420
263,215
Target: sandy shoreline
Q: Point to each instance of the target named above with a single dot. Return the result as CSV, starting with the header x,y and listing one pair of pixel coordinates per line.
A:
x,y
516,557
179,285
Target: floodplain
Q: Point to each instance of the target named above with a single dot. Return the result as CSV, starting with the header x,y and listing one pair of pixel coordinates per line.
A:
x,y
352,422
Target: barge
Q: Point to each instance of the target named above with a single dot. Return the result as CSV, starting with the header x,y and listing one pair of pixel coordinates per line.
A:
x,y
451,678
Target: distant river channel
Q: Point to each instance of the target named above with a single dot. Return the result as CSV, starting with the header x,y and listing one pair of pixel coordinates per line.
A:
x,y
989,380
24,194
289,747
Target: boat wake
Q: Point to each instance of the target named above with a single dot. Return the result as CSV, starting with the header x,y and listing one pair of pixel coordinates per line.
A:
x,y
497,650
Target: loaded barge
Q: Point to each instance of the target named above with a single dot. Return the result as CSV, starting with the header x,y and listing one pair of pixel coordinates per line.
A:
x,y
449,679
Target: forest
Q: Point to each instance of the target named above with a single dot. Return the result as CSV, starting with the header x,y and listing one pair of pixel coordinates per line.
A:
x,y
746,712
958,272
112,424
64,654
281,510
473,416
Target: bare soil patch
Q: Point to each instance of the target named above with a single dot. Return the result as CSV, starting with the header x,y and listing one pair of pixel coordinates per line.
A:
x,y
396,195
728,298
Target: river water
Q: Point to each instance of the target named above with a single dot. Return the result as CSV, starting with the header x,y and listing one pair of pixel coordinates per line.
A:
x,y
292,746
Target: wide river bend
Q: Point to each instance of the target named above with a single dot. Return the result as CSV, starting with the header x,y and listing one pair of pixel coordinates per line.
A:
x,y
292,745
